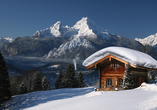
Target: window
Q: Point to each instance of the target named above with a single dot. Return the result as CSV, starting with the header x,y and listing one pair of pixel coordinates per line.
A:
x,y
115,65
109,82
120,82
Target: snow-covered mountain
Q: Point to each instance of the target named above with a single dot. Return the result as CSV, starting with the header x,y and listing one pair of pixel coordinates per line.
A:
x,y
56,30
87,27
67,48
81,40
3,41
151,40
83,28
83,34
7,39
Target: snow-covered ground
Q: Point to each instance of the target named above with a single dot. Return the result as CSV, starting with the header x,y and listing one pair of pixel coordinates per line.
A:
x,y
142,98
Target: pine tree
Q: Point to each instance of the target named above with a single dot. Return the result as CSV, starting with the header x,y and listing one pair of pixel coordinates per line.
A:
x,y
80,80
14,85
153,76
128,82
45,84
69,80
58,83
4,80
22,88
37,82
29,78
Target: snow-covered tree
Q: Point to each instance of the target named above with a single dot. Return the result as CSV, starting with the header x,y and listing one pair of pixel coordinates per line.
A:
x,y
58,83
45,84
128,82
22,88
4,80
80,80
151,75
37,82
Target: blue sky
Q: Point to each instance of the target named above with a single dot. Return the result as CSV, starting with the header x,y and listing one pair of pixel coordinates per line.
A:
x,y
128,18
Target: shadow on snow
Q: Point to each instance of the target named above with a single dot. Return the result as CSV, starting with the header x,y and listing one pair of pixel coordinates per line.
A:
x,y
35,98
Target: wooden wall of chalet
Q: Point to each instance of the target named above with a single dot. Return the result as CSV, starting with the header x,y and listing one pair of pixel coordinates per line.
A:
x,y
116,73
113,73
140,75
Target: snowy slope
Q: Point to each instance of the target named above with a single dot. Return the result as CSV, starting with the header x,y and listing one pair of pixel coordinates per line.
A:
x,y
132,56
142,98
68,46
151,40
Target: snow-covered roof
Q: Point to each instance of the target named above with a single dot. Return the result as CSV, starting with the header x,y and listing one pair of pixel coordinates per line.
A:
x,y
129,55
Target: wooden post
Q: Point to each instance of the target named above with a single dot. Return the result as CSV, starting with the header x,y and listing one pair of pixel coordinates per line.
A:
x,y
99,78
116,82
147,76
125,65
113,82
105,83
110,58
95,66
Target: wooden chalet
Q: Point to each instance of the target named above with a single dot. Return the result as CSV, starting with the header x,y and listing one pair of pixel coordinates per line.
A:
x,y
111,72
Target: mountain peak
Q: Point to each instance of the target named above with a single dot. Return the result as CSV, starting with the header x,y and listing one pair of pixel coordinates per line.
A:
x,y
56,29
83,28
151,40
84,21
57,25
87,27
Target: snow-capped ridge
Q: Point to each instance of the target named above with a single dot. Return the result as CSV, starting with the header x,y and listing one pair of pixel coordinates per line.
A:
x,y
84,21
151,40
57,29
57,25
51,52
7,39
68,46
87,27
84,27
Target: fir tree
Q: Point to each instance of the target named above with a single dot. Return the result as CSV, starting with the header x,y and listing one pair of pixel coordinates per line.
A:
x,y
4,80
69,80
58,83
153,76
128,82
14,85
37,82
45,84
22,88
80,80
29,78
